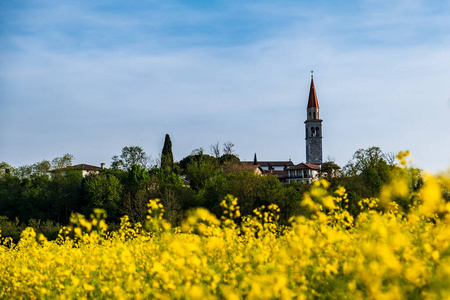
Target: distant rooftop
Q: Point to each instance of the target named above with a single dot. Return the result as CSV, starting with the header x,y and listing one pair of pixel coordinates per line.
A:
x,y
84,167
304,166
271,163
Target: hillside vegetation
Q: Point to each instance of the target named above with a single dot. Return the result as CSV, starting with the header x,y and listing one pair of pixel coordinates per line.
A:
x,y
397,246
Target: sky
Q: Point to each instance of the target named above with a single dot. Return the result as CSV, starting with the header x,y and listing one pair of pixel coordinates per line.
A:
x,y
91,77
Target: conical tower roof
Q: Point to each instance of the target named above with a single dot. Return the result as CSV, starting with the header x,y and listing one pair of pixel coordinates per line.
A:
x,y
312,100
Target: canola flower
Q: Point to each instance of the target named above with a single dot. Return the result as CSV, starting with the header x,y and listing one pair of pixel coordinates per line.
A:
x,y
383,253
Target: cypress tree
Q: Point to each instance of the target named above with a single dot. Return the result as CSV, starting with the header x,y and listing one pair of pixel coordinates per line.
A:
x,y
166,155
255,161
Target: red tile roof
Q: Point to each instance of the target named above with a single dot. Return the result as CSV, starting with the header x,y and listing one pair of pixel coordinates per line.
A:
x,y
78,167
275,163
303,166
312,100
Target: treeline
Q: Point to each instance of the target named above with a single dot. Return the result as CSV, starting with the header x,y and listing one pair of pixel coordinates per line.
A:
x,y
198,180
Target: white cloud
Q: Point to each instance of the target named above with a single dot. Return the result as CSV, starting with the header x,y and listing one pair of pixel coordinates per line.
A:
x,y
94,99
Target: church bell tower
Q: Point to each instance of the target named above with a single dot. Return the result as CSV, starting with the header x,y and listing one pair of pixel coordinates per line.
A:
x,y
313,126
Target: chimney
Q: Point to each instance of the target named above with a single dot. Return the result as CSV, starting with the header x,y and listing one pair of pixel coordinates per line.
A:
x,y
102,165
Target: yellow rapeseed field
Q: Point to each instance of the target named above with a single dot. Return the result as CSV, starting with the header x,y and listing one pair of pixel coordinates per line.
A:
x,y
384,253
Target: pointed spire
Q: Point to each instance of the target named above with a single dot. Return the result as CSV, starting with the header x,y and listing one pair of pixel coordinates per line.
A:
x,y
312,100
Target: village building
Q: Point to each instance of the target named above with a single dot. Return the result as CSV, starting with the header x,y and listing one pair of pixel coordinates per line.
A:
x,y
84,168
277,168
275,165
302,172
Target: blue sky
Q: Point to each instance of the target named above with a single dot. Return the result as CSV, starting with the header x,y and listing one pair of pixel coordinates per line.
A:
x,y
90,77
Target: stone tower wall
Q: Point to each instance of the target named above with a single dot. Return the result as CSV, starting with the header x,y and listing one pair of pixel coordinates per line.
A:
x,y
313,141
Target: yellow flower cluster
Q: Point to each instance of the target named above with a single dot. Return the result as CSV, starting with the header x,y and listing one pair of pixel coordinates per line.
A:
x,y
382,253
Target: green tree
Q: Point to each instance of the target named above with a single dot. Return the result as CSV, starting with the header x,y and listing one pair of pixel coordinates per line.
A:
x,y
28,192
37,169
363,159
62,162
11,190
104,191
35,202
289,200
41,168
133,155
138,189
66,194
25,171
366,173
165,177
200,169
252,192
229,159
197,155
166,155
6,170
198,173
